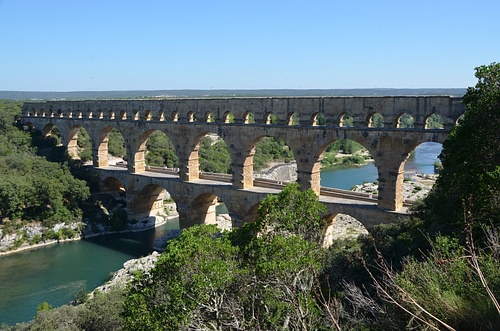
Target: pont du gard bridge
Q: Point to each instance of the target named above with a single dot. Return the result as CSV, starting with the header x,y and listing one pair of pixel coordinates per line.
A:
x,y
241,123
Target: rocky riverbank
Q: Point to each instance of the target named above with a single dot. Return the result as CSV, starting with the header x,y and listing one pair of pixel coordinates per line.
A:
x,y
415,187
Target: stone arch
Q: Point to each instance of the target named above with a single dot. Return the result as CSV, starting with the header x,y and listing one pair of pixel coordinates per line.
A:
x,y
252,213
405,120
248,118
251,165
100,114
60,113
228,117
341,226
103,146
79,144
433,121
270,118
111,115
214,148
161,116
149,204
140,153
123,115
137,115
175,116
79,114
209,118
318,118
346,120
375,120
293,119
336,163
427,153
111,184
203,210
191,116
159,150
47,129
148,115
459,119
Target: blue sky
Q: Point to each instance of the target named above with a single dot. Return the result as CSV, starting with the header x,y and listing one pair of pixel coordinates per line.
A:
x,y
185,44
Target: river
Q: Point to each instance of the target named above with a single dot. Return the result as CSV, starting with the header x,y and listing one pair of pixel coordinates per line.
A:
x,y
56,273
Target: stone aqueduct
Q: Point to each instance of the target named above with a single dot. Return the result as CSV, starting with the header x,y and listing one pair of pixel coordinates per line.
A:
x,y
186,121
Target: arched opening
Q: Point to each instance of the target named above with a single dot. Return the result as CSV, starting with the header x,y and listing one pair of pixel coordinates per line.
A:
x,y
421,169
270,118
106,209
252,214
228,117
459,120
148,116
272,159
249,118
375,120
204,209
160,152
49,143
434,121
341,226
344,163
79,144
405,121
318,119
191,116
209,118
151,206
346,120
213,154
293,119
111,148
111,115
175,116
161,116
123,115
136,115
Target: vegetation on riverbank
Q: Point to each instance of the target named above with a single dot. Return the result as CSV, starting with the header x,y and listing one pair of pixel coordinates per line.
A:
x,y
436,270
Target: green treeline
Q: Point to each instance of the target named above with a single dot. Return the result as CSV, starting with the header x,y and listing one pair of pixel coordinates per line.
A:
x,y
31,187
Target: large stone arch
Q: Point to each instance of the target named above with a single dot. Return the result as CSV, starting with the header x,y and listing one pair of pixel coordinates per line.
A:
x,y
148,202
189,161
100,143
141,149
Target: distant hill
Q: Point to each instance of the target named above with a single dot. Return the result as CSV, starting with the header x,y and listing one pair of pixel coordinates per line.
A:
x,y
80,95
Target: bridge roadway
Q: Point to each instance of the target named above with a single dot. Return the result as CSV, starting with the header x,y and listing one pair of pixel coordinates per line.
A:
x,y
213,187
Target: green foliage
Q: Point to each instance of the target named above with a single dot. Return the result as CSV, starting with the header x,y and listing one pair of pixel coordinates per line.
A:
x,y
191,269
271,149
435,121
116,144
214,156
292,211
406,121
450,289
258,277
471,159
161,151
32,188
44,306
377,121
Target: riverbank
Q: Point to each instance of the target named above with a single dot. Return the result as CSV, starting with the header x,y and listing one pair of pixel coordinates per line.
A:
x,y
7,240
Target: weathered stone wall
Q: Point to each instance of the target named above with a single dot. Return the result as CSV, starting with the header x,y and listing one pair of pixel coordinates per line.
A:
x,y
186,121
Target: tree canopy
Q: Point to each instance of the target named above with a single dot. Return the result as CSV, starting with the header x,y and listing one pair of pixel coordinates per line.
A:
x,y
471,158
